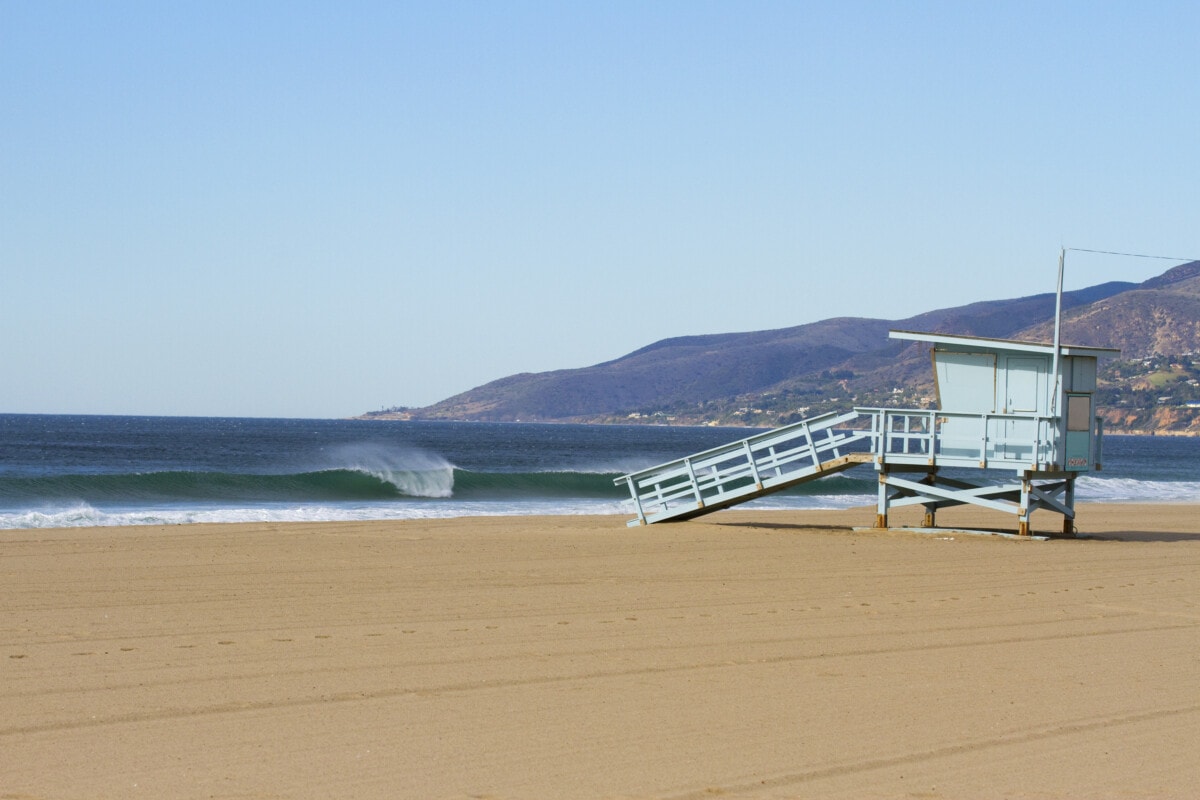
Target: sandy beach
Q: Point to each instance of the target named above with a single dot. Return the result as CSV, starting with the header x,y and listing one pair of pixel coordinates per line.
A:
x,y
748,654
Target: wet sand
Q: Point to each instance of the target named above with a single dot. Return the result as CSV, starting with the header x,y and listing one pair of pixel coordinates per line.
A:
x,y
747,654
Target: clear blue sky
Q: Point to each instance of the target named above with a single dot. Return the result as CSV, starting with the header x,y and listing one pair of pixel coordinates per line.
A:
x,y
318,209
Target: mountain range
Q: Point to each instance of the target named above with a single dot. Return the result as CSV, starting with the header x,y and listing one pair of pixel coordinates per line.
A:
x,y
765,378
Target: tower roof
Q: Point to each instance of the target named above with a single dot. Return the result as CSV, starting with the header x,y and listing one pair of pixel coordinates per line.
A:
x,y
1009,345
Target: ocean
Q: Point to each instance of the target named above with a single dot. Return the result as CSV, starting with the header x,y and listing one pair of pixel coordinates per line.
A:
x,y
68,471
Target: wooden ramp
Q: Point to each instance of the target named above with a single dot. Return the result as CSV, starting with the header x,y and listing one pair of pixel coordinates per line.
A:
x,y
746,469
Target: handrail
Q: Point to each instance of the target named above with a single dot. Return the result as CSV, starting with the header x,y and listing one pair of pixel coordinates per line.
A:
x,y
1022,440
734,472
757,439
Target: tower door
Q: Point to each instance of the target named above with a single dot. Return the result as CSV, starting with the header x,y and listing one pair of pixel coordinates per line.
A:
x,y
1024,393
1025,385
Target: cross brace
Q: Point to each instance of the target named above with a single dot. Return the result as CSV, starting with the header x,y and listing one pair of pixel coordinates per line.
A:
x,y
1053,491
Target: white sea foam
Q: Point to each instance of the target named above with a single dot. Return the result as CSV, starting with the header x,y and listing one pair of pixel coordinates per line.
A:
x,y
612,467
1131,490
414,472
79,515
818,502
85,516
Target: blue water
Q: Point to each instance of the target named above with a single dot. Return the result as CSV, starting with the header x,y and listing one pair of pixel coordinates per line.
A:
x,y
90,470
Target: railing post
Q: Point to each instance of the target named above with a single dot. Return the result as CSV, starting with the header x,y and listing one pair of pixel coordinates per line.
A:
x,y
753,467
695,483
877,425
983,442
830,435
658,495
637,501
812,448
1036,455
931,433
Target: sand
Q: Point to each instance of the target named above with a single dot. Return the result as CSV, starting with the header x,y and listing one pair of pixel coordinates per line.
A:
x,y
747,654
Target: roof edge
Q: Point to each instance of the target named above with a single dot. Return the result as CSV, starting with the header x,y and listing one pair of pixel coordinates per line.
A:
x,y
1004,344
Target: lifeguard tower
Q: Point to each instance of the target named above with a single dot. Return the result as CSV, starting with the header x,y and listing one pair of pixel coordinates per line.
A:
x,y
1023,408
1014,427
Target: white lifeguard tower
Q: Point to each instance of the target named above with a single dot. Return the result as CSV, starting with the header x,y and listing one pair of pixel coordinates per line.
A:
x,y
1019,416
1021,408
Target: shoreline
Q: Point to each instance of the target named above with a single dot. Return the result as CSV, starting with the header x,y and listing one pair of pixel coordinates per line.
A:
x,y
695,423
1044,521
750,653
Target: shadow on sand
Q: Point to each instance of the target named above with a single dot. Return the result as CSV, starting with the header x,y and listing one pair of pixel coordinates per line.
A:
x,y
1081,536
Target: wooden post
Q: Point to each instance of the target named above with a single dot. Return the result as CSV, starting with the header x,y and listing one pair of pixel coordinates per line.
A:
x,y
930,508
881,515
1023,512
1069,502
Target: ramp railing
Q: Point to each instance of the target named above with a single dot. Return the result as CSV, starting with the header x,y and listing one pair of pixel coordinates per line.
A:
x,y
745,469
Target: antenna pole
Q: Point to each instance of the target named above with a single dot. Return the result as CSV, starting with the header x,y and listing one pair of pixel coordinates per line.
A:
x,y
1062,257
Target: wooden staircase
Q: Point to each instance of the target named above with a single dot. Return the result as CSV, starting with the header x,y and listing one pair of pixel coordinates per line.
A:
x,y
746,469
